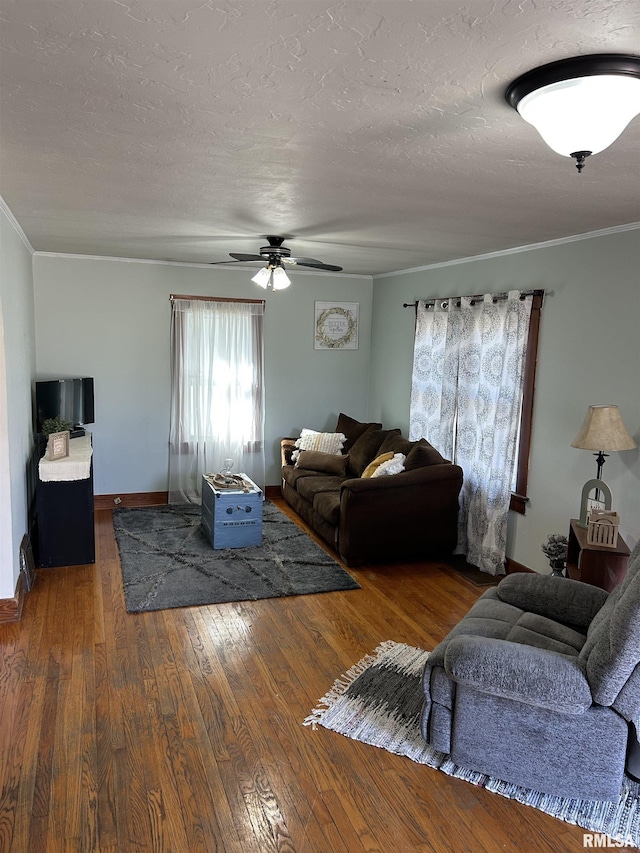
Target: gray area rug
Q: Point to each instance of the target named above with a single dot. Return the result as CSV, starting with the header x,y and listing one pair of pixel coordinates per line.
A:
x,y
168,562
379,700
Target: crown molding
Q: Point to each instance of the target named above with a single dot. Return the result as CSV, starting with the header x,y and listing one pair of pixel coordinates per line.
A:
x,y
560,241
4,207
231,267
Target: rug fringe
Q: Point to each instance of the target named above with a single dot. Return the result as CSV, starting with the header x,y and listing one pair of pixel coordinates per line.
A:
x,y
342,684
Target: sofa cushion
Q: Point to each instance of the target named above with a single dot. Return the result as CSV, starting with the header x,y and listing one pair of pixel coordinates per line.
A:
x,y
325,463
309,487
292,475
352,429
492,617
395,442
327,442
365,449
421,454
327,505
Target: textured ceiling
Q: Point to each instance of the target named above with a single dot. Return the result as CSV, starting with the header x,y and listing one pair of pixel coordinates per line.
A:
x,y
374,134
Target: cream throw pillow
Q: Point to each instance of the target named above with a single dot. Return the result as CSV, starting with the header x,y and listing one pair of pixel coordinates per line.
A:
x,y
390,466
326,442
373,466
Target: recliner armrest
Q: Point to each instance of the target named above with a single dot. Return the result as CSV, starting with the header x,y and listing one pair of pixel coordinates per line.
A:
x,y
522,673
561,599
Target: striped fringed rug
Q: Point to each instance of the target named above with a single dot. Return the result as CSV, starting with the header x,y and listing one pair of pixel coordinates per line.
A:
x,y
379,700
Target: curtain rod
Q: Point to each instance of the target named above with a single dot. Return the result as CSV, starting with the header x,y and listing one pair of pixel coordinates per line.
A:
x,y
476,297
173,296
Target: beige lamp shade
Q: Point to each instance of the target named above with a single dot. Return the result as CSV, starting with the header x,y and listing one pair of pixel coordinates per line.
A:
x,y
603,429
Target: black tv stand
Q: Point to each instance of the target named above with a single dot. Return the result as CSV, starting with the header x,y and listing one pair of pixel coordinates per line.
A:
x,y
64,521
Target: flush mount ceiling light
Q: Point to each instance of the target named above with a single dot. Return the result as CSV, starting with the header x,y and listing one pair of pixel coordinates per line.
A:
x,y
579,106
272,276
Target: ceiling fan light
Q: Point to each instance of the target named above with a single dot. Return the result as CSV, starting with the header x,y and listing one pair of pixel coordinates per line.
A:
x,y
583,113
280,280
262,277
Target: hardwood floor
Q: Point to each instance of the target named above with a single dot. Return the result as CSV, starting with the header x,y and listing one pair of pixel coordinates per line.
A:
x,y
180,731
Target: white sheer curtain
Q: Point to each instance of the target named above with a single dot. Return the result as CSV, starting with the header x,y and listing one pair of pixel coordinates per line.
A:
x,y
217,392
466,398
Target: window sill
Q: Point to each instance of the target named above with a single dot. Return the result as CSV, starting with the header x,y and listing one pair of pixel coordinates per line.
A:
x,y
518,503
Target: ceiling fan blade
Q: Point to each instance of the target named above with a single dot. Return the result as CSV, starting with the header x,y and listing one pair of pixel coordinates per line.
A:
x,y
302,260
279,255
240,257
311,262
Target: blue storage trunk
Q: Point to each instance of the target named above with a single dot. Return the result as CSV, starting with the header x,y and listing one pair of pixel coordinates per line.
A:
x,y
232,518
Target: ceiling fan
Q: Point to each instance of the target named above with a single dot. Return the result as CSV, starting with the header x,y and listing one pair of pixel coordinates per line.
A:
x,y
276,253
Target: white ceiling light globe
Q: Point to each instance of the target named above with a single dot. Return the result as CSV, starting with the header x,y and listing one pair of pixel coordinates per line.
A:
x,y
261,278
584,113
280,279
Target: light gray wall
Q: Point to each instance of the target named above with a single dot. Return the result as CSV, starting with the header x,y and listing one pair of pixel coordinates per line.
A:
x,y
17,366
110,319
589,353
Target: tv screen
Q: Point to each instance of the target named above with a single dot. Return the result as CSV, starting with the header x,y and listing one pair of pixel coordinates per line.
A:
x,y
69,399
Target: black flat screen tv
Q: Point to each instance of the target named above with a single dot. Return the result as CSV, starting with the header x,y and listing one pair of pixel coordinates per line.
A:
x,y
69,399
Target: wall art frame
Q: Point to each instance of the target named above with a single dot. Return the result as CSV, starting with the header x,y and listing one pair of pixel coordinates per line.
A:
x,y
336,325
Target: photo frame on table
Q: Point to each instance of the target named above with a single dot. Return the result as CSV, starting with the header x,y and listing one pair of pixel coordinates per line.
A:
x,y
58,445
336,325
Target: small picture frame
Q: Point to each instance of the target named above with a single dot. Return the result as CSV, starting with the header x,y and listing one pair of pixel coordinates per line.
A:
x,y
336,325
58,445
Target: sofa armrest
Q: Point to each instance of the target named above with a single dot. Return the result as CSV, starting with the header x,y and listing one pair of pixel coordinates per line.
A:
x,y
519,672
287,446
561,599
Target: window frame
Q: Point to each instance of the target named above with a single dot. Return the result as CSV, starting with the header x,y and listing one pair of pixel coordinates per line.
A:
x,y
519,497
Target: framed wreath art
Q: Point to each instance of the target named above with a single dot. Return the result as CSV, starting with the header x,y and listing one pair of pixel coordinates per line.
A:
x,y
336,325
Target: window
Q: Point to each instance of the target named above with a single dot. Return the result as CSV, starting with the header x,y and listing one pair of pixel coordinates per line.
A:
x,y
217,391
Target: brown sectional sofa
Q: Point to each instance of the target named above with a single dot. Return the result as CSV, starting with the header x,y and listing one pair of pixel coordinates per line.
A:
x,y
407,516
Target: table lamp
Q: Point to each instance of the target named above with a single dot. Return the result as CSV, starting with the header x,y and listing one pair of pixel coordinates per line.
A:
x,y
603,429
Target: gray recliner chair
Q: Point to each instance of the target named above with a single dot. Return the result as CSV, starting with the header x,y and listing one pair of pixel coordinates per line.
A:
x,y
539,685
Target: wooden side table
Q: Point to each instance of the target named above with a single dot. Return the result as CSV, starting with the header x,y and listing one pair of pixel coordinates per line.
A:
x,y
595,564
